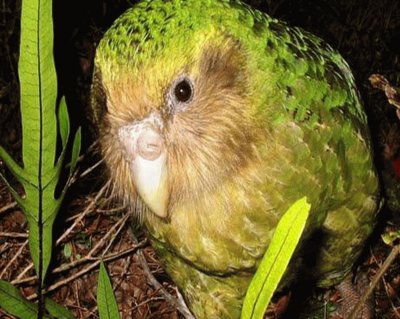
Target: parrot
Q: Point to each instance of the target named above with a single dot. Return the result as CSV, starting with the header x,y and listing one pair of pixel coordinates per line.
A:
x,y
213,118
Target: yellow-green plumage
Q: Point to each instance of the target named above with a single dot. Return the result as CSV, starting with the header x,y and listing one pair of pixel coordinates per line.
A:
x,y
274,116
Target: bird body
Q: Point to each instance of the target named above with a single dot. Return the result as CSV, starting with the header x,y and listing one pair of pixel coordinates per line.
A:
x,y
213,119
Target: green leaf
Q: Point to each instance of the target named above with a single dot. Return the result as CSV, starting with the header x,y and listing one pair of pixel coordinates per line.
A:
x,y
14,303
76,147
39,173
275,260
106,302
19,199
63,122
14,168
38,89
67,250
390,237
38,84
57,310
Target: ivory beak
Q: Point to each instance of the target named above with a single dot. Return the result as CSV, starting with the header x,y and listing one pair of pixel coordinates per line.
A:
x,y
145,150
151,183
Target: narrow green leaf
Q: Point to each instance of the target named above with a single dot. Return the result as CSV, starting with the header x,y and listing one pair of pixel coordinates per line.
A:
x,y
38,84
14,303
76,148
38,95
106,302
19,199
63,122
14,168
64,130
275,260
57,310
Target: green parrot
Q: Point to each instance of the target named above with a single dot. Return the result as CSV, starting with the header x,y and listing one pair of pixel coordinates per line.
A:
x,y
213,119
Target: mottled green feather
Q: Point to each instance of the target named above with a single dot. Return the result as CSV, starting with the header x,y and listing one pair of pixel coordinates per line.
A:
x,y
302,129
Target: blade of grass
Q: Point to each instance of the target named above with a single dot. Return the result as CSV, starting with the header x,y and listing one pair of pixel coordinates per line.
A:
x,y
106,302
275,261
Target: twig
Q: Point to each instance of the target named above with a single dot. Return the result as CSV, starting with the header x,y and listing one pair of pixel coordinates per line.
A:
x,y
123,221
76,293
13,235
92,313
5,247
178,303
7,207
89,257
29,267
77,175
111,210
90,169
147,301
94,250
126,252
124,273
378,81
78,219
381,271
67,280
391,301
17,254
96,262
85,212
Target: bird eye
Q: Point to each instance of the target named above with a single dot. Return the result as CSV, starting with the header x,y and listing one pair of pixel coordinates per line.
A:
x,y
183,90
179,95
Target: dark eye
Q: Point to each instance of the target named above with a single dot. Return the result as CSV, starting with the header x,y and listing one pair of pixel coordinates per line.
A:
x,y
183,91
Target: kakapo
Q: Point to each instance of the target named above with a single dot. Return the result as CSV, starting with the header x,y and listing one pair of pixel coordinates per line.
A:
x,y
213,119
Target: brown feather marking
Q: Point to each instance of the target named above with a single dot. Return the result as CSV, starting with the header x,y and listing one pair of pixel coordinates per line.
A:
x,y
208,143
213,140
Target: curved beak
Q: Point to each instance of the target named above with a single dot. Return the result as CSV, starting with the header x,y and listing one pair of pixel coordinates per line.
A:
x,y
151,183
147,155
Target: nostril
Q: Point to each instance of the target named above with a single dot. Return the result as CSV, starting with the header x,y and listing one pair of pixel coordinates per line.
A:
x,y
149,145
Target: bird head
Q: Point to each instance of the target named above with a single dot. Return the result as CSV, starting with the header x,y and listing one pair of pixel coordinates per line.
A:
x,y
174,103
